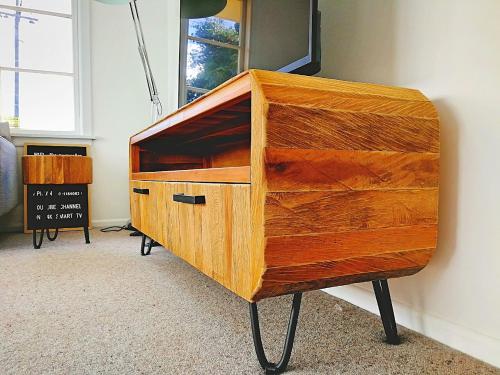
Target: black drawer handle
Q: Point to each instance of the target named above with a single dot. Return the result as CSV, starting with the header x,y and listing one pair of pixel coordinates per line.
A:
x,y
141,191
191,199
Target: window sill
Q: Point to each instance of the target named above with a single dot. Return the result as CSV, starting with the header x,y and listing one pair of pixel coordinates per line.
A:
x,y
20,138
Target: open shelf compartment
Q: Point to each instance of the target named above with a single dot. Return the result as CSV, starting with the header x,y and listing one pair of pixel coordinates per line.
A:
x,y
210,146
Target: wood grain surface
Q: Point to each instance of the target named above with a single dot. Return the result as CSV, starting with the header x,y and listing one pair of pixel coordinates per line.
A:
x,y
350,101
339,170
327,211
351,182
213,237
56,169
226,174
341,182
299,127
296,250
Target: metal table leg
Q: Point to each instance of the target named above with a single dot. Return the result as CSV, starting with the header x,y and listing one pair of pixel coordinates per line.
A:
x,y
38,243
384,302
143,245
86,234
56,232
272,368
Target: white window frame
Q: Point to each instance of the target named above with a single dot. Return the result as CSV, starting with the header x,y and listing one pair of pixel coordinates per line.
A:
x,y
184,40
81,72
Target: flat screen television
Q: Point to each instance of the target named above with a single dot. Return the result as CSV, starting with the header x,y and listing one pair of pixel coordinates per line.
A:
x,y
278,35
284,35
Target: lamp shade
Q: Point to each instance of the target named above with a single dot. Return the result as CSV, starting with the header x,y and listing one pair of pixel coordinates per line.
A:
x,y
114,2
201,8
189,8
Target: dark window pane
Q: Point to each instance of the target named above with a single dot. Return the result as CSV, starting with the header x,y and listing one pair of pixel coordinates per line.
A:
x,y
208,66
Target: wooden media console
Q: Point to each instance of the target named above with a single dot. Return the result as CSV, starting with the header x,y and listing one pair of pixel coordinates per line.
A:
x,y
276,184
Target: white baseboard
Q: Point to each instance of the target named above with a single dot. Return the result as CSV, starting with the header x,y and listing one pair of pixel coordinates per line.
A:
x,y
109,222
477,345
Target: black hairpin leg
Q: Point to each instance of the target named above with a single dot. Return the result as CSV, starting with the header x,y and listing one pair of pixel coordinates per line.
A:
x,y
143,245
38,243
86,234
383,296
280,367
56,232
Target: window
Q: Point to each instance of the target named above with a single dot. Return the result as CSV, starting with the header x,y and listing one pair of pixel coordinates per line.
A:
x,y
211,50
39,65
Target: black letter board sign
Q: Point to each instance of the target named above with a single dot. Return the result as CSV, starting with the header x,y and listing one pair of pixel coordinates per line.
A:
x,y
57,206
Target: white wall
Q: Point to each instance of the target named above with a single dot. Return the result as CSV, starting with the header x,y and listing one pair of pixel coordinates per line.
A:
x,y
120,100
450,50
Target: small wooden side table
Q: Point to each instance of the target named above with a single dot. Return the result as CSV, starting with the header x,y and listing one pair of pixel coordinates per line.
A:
x,y
56,194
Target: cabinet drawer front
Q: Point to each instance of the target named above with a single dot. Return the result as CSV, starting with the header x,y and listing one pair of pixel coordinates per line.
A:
x,y
147,210
208,225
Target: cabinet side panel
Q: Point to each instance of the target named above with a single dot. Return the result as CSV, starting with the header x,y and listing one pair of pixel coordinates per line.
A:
x,y
351,183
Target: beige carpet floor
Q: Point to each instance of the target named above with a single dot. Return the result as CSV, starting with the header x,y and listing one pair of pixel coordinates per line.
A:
x,y
71,308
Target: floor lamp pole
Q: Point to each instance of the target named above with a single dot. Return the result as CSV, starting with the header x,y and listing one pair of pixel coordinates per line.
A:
x,y
156,106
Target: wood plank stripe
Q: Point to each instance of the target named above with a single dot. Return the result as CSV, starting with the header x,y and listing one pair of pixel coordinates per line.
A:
x,y
342,170
353,266
317,248
227,174
277,289
227,196
298,81
320,212
298,127
348,101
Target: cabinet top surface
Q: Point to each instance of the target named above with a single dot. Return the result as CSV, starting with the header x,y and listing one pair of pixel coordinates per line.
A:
x,y
253,82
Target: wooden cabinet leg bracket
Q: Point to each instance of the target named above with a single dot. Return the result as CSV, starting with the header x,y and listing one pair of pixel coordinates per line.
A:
x,y
272,368
384,302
